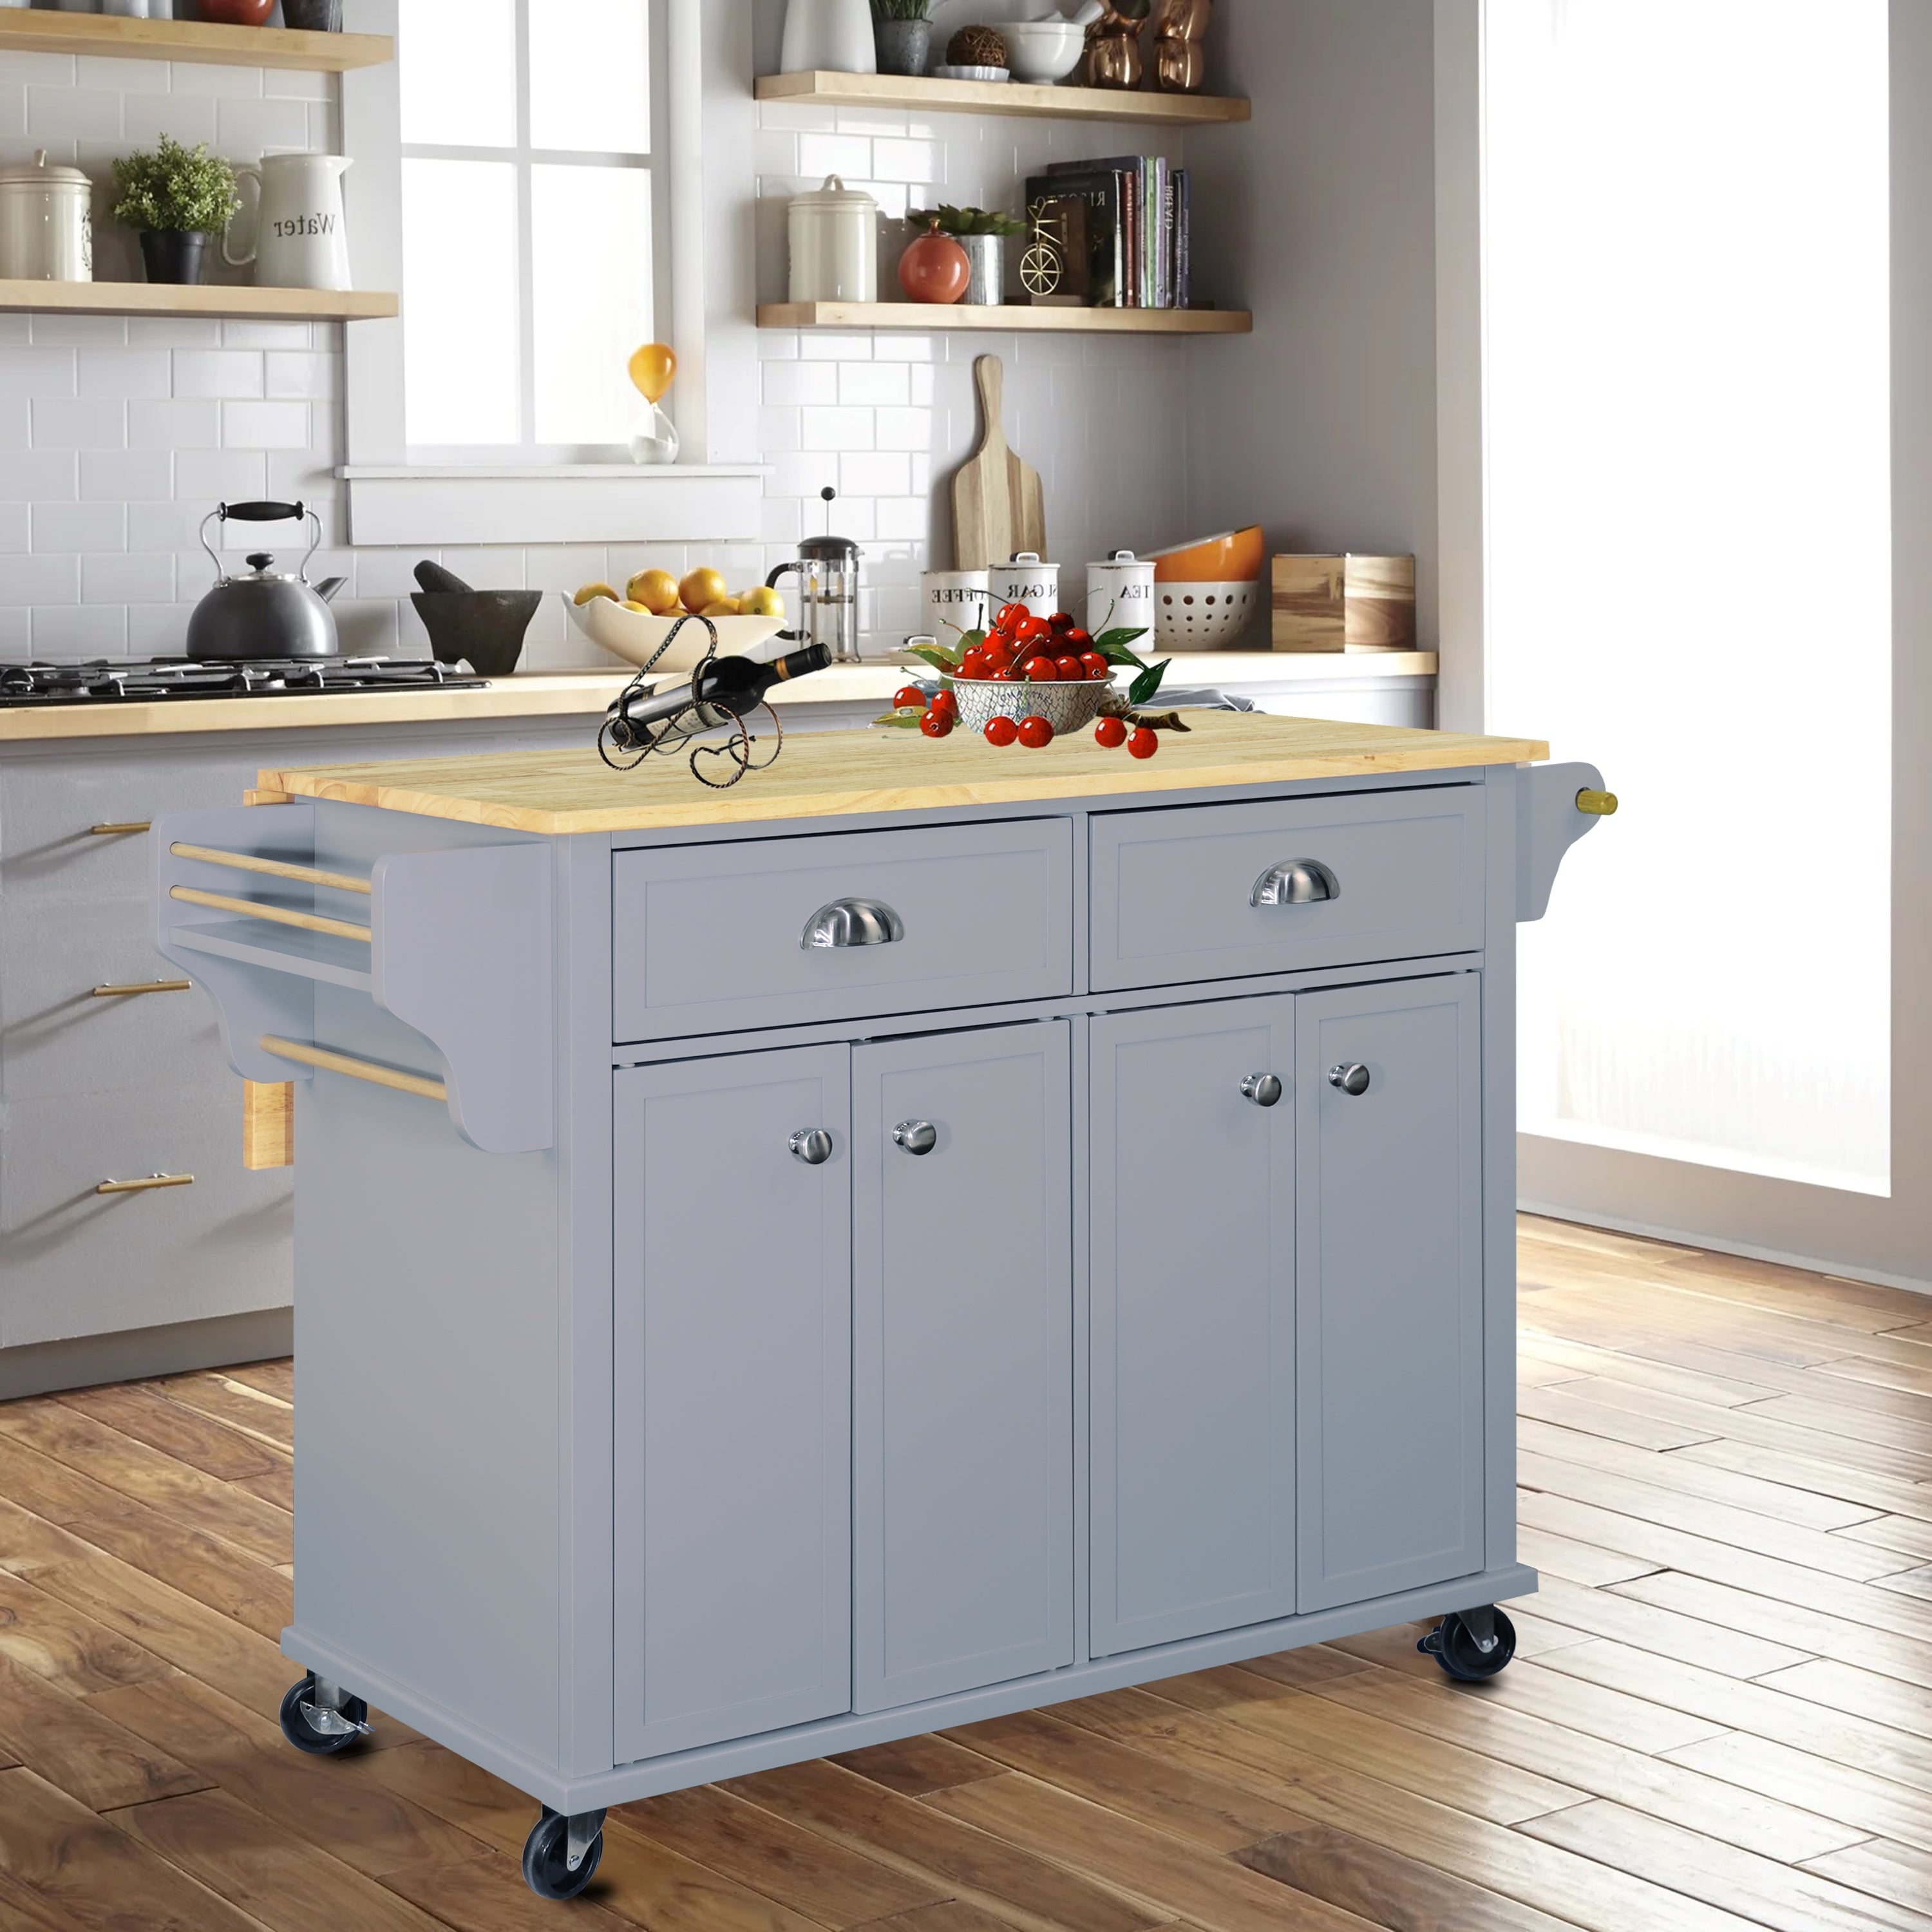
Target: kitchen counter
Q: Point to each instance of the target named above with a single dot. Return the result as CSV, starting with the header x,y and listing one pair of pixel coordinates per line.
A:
x,y
585,694
833,773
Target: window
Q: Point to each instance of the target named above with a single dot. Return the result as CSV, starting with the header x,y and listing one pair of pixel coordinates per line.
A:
x,y
1688,257
532,220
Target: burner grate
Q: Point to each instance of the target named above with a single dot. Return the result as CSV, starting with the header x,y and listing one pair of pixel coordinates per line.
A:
x,y
153,680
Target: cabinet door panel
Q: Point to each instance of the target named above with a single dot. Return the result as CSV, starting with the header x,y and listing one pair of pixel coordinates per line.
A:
x,y
962,1332
1389,1353
1193,1324
733,1339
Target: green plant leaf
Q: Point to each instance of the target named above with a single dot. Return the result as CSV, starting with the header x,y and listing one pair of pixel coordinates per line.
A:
x,y
1119,639
1119,654
1141,691
938,656
900,721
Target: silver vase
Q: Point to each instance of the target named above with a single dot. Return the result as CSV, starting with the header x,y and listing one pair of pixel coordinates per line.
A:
x,y
988,255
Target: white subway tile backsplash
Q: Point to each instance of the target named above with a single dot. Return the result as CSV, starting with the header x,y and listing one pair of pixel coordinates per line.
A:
x,y
218,372
78,332
170,526
245,129
919,162
79,423
902,429
301,373
77,632
849,156
30,578
39,372
127,475
178,423
881,384
780,431
14,527
837,429
874,473
59,527
127,578
145,118
222,83
124,77
207,477
800,382
73,114
125,372
279,425
39,475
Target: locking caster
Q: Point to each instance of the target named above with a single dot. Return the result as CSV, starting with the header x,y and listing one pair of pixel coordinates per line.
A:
x,y
321,1718
562,1854
1471,1645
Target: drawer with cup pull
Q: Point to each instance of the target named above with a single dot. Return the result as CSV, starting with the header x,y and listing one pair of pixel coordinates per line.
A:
x,y
1216,891
787,932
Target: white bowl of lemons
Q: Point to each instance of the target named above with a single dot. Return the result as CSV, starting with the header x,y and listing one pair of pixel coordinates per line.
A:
x,y
635,625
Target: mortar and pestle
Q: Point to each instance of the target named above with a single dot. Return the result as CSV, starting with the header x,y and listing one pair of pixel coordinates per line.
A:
x,y
484,628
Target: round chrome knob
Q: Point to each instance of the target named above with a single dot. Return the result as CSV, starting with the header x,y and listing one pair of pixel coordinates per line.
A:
x,y
1263,1089
916,1136
1353,1081
812,1145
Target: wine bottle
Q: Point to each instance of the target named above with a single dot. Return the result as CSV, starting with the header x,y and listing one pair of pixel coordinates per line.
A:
x,y
727,689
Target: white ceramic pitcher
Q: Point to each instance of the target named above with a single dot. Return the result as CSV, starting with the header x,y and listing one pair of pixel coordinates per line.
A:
x,y
299,240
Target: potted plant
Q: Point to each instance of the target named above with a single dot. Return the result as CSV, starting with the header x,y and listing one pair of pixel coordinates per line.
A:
x,y
902,30
179,198
983,235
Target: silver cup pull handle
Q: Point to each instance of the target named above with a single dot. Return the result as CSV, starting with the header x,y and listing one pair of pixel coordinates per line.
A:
x,y
851,922
1353,1080
812,1145
1263,1089
1295,882
917,1137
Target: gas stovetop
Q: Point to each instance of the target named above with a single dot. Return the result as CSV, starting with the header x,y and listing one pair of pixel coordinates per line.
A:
x,y
151,680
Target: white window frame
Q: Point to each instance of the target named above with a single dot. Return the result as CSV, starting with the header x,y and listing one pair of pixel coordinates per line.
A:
x,y
705,64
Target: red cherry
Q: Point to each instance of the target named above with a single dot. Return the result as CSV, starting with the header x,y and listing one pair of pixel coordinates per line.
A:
x,y
1001,730
937,723
1070,669
1144,743
1032,631
1095,666
909,697
1006,674
974,664
1077,640
1040,670
1035,733
1011,616
1062,622
1111,733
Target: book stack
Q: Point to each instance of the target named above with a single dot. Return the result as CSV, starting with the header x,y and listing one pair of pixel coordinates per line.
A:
x,y
1107,234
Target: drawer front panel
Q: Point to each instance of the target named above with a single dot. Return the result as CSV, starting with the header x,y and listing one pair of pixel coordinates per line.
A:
x,y
708,938
1174,891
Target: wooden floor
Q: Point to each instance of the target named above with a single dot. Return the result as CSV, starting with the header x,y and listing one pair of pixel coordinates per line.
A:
x,y
1721,1714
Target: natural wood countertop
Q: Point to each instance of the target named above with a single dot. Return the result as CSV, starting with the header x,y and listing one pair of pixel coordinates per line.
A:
x,y
585,694
831,774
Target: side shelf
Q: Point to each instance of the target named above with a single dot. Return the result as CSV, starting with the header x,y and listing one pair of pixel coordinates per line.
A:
x,y
454,944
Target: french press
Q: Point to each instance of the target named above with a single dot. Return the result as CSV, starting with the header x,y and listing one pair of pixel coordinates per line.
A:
x,y
828,580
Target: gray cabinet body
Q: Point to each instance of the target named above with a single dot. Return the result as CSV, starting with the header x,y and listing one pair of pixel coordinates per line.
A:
x,y
842,1350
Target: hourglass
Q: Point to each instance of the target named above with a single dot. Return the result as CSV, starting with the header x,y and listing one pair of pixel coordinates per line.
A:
x,y
653,368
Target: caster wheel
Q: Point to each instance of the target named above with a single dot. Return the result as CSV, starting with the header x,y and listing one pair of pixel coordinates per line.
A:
x,y
1456,1644
312,1728
547,1856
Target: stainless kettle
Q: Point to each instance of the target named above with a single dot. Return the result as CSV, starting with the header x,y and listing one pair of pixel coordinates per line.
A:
x,y
263,615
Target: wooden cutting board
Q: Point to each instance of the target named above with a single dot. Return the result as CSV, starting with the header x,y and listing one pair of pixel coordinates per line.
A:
x,y
999,508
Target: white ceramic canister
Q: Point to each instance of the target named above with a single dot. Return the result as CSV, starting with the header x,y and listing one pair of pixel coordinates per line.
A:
x,y
1119,595
953,601
300,240
47,222
1027,580
835,245
835,35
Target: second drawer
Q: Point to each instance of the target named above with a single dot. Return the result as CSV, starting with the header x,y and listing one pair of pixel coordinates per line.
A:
x,y
1363,877
712,938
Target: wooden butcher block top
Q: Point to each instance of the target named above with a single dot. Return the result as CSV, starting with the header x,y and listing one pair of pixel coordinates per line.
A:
x,y
836,774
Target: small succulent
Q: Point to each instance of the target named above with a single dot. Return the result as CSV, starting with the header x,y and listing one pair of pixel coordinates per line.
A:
x,y
902,9
967,220
977,46
175,188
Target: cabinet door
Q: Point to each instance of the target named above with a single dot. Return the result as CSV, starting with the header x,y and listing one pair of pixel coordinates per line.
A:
x,y
1192,1207
962,1352
732,1387
1389,1345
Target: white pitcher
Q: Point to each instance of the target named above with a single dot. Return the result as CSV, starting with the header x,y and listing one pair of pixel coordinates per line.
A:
x,y
299,240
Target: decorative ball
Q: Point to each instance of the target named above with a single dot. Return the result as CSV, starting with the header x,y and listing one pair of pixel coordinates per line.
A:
x,y
977,46
935,268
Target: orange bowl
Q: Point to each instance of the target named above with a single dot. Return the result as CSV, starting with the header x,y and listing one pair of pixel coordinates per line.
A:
x,y
1234,557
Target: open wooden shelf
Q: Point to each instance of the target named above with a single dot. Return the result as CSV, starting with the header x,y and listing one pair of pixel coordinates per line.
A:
x,y
1011,97
24,32
204,299
1006,318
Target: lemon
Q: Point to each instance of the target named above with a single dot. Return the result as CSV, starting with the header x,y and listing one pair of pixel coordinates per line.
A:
x,y
655,589
701,588
724,607
591,590
642,610
761,601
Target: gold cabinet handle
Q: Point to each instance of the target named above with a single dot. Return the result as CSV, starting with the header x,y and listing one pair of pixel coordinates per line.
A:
x,y
1598,804
147,986
153,1181
126,831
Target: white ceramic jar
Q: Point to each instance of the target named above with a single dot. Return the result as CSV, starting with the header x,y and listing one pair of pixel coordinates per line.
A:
x,y
1029,581
47,222
955,601
835,245
1119,595
835,35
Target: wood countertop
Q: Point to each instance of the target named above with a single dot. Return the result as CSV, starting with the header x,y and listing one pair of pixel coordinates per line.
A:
x,y
585,694
833,774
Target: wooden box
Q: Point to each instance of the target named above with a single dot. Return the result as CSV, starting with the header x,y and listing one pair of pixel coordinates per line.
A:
x,y
1344,603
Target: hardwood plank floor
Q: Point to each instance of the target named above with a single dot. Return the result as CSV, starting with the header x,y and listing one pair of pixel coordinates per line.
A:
x,y
1718,1719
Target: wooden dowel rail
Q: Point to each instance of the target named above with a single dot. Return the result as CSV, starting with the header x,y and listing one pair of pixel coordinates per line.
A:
x,y
274,868
147,1185
356,1070
125,829
135,990
305,922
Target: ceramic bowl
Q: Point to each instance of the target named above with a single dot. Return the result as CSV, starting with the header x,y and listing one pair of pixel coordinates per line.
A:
x,y
1234,557
1067,707
1042,51
1190,616
991,73
482,629
634,637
